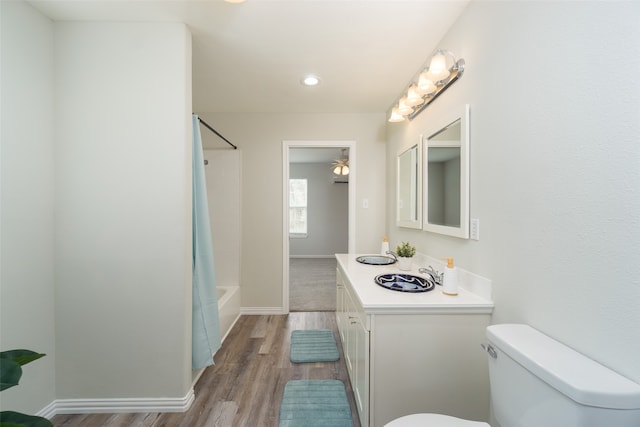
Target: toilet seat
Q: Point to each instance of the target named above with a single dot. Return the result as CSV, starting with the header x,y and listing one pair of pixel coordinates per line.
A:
x,y
433,420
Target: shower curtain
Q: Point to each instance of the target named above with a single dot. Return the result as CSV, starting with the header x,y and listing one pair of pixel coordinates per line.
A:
x,y
206,324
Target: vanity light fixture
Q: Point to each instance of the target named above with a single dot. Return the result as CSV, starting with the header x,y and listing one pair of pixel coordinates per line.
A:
x,y
443,70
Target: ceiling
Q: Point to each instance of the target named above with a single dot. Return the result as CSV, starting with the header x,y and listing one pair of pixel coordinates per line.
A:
x,y
250,57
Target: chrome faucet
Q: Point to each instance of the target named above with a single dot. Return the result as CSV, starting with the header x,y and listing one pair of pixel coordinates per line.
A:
x,y
435,275
393,254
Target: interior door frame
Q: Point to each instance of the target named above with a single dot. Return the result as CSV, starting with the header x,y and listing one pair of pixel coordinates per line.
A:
x,y
351,244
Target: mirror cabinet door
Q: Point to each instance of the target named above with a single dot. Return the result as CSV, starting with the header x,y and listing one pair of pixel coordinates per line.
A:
x,y
444,186
409,188
446,176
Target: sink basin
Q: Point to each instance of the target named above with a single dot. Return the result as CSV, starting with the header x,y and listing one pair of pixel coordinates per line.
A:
x,y
404,282
376,260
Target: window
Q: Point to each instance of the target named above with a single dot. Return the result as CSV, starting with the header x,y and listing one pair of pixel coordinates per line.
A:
x,y
298,207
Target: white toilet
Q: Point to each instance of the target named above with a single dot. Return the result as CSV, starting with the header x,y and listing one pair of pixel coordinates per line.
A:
x,y
537,381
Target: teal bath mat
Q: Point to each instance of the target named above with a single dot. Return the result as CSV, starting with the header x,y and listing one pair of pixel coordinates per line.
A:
x,y
315,403
314,345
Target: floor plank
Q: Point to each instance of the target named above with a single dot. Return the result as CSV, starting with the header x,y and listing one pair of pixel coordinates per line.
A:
x,y
244,388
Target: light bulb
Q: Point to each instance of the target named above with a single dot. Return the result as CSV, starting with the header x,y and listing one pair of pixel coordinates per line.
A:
x,y
413,97
395,116
438,66
403,108
310,80
425,84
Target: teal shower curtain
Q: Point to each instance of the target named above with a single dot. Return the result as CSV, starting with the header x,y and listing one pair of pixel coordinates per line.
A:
x,y
205,323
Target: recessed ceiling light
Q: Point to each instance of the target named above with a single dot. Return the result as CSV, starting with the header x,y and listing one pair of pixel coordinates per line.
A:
x,y
310,80
234,1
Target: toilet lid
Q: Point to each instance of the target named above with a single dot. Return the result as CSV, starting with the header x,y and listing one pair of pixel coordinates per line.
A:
x,y
433,420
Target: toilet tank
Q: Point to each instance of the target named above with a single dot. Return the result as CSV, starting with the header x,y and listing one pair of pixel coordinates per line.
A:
x,y
537,381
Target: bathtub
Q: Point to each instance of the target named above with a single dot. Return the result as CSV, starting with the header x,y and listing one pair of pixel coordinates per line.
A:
x,y
228,308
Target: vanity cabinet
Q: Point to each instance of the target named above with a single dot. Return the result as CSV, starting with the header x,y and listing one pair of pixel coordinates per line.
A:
x,y
405,360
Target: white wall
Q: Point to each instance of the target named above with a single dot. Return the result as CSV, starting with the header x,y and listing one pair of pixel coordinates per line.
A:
x,y
260,138
26,198
327,212
555,168
123,210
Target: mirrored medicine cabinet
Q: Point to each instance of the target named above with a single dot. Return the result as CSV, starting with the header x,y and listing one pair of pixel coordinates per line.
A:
x,y
446,175
438,179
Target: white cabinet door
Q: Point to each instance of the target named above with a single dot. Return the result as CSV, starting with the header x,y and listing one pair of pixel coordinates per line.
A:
x,y
354,334
429,363
349,343
341,314
360,379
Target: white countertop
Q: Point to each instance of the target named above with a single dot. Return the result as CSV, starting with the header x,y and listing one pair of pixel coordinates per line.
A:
x,y
376,299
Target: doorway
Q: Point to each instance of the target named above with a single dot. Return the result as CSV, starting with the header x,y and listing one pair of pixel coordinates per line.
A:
x,y
308,254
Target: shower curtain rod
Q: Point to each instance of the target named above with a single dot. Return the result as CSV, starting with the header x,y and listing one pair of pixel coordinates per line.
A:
x,y
217,133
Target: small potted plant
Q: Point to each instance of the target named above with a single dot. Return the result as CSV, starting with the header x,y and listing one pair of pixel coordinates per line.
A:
x,y
405,252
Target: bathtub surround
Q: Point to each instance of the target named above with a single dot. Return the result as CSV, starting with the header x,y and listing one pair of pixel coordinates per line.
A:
x,y
205,321
224,190
223,193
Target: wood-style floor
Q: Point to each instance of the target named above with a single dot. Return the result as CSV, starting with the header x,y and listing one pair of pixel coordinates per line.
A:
x,y
244,387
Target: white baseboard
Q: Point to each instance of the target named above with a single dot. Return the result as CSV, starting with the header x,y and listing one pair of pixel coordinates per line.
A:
x,y
102,406
262,310
48,411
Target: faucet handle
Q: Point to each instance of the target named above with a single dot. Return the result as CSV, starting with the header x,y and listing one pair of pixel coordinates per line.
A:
x,y
435,275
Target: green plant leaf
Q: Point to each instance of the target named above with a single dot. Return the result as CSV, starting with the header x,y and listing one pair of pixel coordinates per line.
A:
x,y
21,357
16,419
405,249
10,373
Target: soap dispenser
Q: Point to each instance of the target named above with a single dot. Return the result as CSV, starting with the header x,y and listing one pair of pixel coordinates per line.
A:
x,y
450,278
384,249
